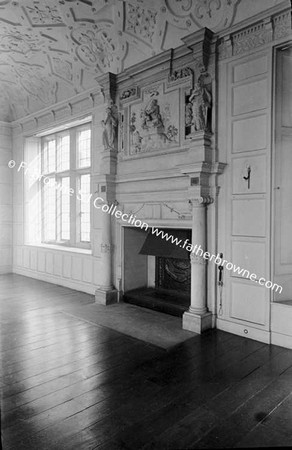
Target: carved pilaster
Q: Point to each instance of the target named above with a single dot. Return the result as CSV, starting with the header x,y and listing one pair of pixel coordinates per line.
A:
x,y
105,184
108,86
200,43
225,48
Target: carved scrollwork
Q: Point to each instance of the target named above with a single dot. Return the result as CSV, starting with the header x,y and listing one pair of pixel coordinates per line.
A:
x,y
180,74
44,15
206,8
141,21
250,38
22,43
282,25
213,14
255,36
202,201
98,47
130,94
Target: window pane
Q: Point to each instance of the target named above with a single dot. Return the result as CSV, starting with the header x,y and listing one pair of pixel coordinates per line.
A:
x,y
83,139
65,209
85,208
49,211
49,156
63,152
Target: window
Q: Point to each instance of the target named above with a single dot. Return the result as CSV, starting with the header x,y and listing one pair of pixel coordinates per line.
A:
x,y
66,163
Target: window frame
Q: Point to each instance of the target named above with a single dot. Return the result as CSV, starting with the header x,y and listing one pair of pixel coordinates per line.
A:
x,y
74,173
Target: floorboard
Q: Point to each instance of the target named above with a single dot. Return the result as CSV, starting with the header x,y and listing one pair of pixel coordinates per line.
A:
x,y
70,384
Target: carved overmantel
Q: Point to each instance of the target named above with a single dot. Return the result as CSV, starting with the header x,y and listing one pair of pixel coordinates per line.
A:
x,y
167,104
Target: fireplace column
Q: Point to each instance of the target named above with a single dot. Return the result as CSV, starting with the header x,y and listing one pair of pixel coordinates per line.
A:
x,y
105,128
105,293
198,318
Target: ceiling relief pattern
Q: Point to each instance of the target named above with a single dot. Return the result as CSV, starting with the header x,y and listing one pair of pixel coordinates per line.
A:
x,y
40,15
214,14
98,47
51,50
141,22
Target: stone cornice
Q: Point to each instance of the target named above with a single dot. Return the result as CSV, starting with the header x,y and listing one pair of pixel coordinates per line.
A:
x,y
196,45
89,95
281,7
261,29
143,66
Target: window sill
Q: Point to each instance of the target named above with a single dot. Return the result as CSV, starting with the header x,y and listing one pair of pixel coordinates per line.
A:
x,y
62,248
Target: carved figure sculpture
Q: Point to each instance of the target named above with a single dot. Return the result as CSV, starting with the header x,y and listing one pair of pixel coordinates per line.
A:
x,y
151,114
201,100
188,115
109,129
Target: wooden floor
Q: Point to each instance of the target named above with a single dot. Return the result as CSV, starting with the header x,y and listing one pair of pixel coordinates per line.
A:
x,y
67,384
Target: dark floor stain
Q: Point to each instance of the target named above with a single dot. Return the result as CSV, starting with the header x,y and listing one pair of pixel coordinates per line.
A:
x,y
261,416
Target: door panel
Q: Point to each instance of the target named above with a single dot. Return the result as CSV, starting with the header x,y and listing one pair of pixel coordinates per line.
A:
x,y
283,177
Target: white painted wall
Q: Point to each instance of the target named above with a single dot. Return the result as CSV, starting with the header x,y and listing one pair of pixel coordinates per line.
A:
x,y
5,199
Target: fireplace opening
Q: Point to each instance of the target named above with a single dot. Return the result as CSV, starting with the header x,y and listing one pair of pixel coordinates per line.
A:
x,y
157,273
173,274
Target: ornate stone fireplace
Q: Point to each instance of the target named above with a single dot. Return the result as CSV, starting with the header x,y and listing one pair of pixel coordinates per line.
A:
x,y
163,171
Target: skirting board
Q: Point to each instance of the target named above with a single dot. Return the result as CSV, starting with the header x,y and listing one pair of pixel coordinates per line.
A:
x,y
244,331
5,269
77,286
281,339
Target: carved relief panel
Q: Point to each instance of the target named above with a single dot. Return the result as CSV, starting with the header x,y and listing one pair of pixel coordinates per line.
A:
x,y
152,118
153,121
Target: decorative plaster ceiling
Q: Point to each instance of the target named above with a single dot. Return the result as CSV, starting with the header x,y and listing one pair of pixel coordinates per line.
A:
x,y
51,50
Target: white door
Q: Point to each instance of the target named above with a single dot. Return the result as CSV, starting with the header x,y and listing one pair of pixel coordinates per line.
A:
x,y
283,175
